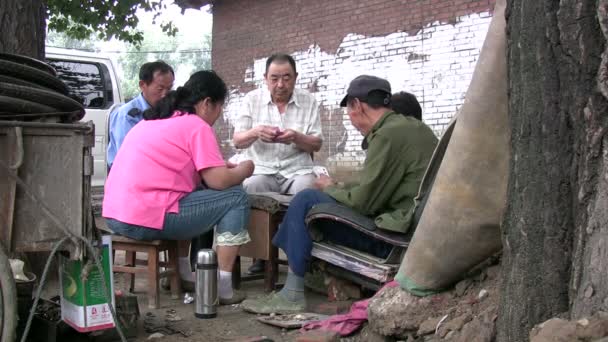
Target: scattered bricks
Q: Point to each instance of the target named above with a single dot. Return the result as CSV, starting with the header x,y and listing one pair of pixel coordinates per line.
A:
x,y
318,336
332,308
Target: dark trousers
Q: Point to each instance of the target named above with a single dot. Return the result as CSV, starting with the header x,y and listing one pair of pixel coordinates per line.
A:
x,y
294,239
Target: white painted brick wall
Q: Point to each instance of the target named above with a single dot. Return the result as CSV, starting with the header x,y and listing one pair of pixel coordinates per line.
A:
x,y
436,65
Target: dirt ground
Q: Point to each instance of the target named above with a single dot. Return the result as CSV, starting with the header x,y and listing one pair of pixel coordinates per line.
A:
x,y
231,323
467,312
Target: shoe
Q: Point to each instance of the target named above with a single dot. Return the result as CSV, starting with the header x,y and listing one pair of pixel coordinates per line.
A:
x,y
273,303
237,297
258,266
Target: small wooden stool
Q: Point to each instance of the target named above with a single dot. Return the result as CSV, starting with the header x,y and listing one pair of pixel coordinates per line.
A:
x,y
151,267
267,211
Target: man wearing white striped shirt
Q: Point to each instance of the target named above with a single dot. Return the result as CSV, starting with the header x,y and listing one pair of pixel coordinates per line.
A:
x,y
279,127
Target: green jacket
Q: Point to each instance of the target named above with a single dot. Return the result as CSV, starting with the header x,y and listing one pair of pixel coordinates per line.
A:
x,y
399,150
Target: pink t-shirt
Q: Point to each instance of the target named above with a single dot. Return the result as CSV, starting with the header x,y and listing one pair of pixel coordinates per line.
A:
x,y
156,166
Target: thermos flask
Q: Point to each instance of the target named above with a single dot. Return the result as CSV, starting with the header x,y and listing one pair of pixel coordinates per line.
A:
x,y
207,298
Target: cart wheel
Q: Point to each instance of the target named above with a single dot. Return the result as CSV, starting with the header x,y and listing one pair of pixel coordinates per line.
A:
x,y
8,300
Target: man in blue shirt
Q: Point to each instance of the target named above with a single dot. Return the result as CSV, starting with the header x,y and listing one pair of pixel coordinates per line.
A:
x,y
155,81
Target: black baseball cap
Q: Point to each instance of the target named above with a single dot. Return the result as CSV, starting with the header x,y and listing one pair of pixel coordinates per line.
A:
x,y
361,86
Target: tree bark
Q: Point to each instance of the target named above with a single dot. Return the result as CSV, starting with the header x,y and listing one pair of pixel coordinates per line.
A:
x,y
555,227
23,27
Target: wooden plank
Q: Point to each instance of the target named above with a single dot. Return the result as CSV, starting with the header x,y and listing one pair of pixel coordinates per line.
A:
x,y
132,247
353,263
129,269
124,239
262,226
292,321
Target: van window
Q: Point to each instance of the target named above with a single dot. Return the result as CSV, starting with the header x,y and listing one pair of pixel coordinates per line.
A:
x,y
86,81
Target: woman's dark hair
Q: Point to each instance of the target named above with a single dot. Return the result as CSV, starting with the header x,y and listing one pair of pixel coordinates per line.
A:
x,y
201,85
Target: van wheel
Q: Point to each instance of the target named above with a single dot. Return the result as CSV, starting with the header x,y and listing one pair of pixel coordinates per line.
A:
x,y
45,97
33,75
34,63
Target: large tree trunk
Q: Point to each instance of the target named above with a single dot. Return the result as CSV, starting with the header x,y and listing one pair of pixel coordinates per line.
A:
x,y
23,27
555,228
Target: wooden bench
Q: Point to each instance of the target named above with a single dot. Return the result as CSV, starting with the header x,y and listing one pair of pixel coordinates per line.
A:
x,y
267,211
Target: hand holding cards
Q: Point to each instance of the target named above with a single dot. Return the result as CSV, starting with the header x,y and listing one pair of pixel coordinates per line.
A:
x,y
320,170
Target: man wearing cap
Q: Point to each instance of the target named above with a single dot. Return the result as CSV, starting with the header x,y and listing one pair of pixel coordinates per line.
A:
x,y
398,148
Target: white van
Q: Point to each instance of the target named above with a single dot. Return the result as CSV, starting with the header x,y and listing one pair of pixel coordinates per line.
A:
x,y
92,77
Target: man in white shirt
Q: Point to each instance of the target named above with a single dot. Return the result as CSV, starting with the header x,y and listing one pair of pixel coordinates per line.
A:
x,y
280,128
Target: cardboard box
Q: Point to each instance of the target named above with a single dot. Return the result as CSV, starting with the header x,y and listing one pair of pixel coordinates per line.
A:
x,y
83,302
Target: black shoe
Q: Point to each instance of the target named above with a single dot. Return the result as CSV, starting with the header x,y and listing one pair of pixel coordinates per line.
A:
x,y
187,286
258,266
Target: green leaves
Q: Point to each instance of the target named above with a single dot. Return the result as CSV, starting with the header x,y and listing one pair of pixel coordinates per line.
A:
x,y
106,19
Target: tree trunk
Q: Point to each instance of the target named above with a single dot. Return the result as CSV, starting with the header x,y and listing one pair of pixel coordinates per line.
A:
x,y
23,27
555,228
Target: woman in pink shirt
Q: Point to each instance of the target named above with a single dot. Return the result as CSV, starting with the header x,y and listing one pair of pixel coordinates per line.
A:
x,y
169,180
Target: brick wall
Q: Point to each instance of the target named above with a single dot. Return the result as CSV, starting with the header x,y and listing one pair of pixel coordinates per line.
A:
x,y
427,47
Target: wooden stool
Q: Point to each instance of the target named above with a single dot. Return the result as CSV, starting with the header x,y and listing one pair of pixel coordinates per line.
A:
x,y
267,211
151,267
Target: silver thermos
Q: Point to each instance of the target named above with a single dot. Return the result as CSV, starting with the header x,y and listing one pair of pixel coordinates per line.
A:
x,y
207,298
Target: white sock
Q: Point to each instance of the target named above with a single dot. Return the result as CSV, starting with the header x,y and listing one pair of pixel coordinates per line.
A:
x,y
185,270
225,284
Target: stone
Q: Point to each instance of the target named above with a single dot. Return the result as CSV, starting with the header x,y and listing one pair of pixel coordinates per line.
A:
x,y
482,294
493,272
429,326
583,322
332,308
367,335
395,312
318,336
461,288
155,336
589,291
457,323
450,336
478,330
554,330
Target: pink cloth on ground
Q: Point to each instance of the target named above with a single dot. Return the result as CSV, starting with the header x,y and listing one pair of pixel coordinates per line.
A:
x,y
156,166
347,323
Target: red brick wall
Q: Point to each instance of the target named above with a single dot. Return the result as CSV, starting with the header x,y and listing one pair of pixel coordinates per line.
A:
x,y
428,47
244,30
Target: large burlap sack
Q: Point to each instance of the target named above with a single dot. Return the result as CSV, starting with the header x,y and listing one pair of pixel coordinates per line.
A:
x,y
460,224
